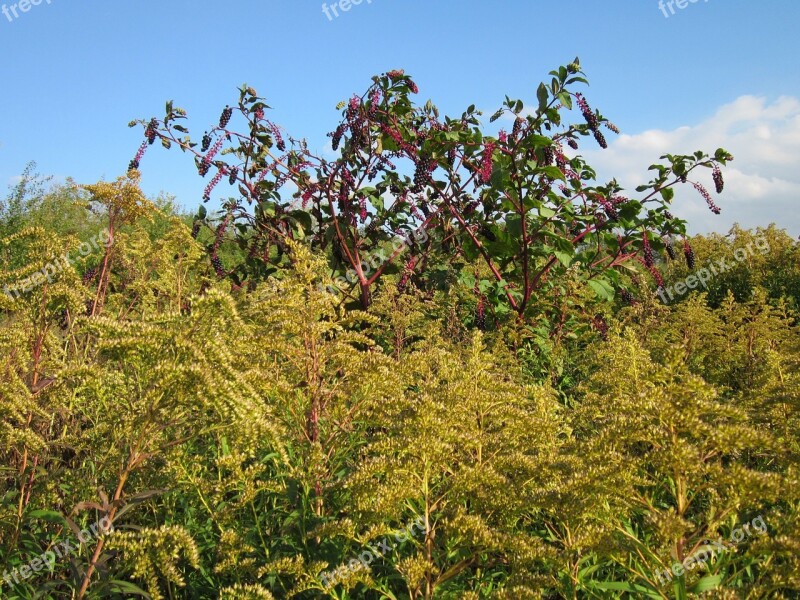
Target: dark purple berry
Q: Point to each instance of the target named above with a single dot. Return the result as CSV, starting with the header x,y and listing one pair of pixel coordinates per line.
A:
x,y
627,297
689,254
225,117
480,315
422,172
601,139
89,276
217,264
549,155
517,127
670,249
599,323
590,117
719,183
648,251
336,137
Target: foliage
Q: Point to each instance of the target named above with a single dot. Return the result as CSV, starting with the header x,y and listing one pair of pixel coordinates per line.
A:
x,y
484,422
524,204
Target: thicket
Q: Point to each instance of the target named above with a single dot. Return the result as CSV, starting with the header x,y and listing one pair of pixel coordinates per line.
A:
x,y
440,327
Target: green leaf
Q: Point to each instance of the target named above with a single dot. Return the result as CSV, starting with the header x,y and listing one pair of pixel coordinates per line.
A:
x,y
542,94
709,582
546,212
514,225
566,99
51,516
602,288
554,173
467,279
388,143
116,585
563,257
622,586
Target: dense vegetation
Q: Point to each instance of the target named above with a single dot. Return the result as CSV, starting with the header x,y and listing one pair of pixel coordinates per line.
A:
x,y
444,364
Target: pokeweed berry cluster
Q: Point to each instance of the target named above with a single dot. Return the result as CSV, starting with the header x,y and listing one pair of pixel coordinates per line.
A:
x,y
89,276
213,183
548,156
135,161
689,254
670,248
422,172
225,117
150,135
517,128
150,132
719,183
591,119
627,297
647,250
608,207
280,144
588,114
601,139
487,163
601,326
707,197
216,263
480,314
408,270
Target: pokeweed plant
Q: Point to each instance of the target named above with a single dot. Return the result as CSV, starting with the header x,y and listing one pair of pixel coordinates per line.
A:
x,y
523,202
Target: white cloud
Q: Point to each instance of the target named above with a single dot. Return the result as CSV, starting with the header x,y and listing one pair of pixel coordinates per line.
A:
x,y
762,184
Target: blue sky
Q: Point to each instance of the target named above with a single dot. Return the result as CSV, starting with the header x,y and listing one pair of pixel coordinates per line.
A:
x,y
716,72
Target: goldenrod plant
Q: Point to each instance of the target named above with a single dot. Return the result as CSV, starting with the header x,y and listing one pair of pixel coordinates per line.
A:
x,y
451,365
